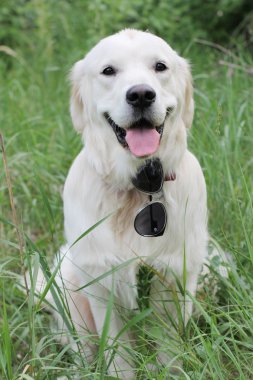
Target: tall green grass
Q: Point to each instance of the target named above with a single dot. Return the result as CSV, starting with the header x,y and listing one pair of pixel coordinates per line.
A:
x,y
40,145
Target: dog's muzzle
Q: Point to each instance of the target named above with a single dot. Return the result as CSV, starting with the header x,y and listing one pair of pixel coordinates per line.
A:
x,y
142,138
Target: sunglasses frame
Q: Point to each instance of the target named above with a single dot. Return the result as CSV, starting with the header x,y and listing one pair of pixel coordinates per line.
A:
x,y
143,208
148,191
152,201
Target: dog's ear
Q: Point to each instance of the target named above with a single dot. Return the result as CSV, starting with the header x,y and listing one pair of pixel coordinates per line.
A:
x,y
76,102
188,109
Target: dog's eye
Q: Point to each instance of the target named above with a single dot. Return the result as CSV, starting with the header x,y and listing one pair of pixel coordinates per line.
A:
x,y
109,71
160,66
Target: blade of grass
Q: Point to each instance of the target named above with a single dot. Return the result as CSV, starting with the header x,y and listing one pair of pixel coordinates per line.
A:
x,y
13,209
6,345
104,336
108,273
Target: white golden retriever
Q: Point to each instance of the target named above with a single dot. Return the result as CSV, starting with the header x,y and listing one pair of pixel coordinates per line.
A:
x,y
131,101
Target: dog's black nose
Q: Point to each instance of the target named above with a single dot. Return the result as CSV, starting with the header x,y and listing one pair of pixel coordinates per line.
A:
x,y
140,96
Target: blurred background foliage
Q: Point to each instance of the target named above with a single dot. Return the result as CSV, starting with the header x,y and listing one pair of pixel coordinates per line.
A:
x,y
51,25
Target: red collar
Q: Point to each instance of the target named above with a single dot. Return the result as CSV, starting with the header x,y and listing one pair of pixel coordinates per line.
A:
x,y
170,177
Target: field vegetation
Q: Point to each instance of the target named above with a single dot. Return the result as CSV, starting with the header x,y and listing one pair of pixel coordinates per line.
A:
x,y
39,42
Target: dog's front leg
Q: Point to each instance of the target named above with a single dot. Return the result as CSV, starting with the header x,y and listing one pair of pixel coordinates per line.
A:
x,y
117,357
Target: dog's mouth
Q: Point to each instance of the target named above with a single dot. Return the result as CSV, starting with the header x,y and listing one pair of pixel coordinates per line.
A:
x,y
142,138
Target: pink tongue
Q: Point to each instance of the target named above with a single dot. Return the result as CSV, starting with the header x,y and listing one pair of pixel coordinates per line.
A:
x,y
143,142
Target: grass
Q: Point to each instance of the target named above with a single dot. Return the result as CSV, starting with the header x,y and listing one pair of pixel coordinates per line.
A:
x,y
40,145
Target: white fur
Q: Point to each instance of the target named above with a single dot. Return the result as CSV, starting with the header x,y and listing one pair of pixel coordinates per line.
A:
x,y
99,183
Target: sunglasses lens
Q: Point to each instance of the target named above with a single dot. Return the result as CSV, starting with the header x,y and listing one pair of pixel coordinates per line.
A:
x,y
149,178
151,221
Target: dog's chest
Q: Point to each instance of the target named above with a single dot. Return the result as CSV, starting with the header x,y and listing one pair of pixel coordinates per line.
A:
x,y
116,239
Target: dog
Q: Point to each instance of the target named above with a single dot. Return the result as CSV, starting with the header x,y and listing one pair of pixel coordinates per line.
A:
x,y
132,103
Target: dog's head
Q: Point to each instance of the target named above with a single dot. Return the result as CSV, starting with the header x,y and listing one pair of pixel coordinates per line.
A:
x,y
132,100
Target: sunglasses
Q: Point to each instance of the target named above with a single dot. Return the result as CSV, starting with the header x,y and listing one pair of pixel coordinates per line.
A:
x,y
150,220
